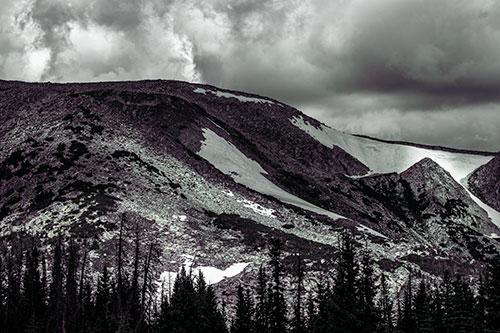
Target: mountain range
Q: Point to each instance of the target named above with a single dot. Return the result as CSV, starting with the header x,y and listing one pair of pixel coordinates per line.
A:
x,y
209,175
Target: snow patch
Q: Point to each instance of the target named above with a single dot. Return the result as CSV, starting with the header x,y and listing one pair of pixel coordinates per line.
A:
x,y
241,98
364,228
492,213
231,161
258,208
212,275
382,157
180,217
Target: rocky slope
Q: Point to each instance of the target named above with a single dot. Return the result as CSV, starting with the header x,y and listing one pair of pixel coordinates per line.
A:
x,y
209,175
485,182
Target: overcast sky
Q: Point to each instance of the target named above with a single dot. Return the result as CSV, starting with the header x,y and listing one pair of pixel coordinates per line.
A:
x,y
418,70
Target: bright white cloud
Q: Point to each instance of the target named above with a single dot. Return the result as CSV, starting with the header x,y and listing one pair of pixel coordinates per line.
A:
x,y
410,57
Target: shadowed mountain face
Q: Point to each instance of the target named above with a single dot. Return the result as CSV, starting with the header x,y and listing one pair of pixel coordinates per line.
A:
x,y
214,174
485,182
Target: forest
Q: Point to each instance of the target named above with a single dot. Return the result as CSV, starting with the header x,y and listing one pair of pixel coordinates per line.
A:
x,y
42,291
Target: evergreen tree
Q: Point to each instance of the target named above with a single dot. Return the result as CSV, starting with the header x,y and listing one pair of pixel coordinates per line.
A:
x,y
345,296
492,299
243,321
71,300
278,316
368,312
13,306
33,301
311,314
437,312
184,312
447,294
406,321
262,307
385,305
212,320
480,309
2,295
325,319
423,319
102,308
133,303
56,313
298,325
463,307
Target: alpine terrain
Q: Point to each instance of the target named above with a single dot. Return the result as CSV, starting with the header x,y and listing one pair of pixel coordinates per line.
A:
x,y
209,176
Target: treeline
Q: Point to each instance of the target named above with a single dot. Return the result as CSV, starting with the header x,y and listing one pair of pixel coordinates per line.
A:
x,y
358,301
125,298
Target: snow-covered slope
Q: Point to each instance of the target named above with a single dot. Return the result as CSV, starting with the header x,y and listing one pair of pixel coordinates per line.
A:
x,y
228,159
383,157
216,173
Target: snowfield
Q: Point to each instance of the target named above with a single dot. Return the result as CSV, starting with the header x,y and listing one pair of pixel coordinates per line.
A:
x,y
211,274
229,95
383,157
231,161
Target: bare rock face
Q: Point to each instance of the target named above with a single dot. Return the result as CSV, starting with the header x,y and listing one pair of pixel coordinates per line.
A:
x,y
485,183
77,159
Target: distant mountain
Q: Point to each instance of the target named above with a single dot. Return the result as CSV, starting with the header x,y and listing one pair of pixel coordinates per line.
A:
x,y
485,182
210,175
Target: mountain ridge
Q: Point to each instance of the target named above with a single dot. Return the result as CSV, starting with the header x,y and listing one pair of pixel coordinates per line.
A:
x,y
194,167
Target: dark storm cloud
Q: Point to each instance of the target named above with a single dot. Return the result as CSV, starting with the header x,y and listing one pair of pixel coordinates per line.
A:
x,y
392,68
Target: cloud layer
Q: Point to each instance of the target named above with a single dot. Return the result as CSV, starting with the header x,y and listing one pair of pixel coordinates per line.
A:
x,y
417,70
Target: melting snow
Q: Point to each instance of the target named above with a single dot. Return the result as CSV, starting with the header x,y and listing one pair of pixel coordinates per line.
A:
x,y
212,275
492,213
382,157
258,208
229,95
229,160
364,228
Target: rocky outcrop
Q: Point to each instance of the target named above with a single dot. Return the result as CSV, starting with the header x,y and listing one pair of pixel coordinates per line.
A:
x,y
485,183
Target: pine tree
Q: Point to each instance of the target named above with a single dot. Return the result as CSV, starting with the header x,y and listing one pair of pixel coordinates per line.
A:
x,y
102,308
480,309
2,295
13,306
368,312
32,297
345,296
278,317
406,321
184,314
492,299
298,325
423,320
311,314
243,321
71,300
212,320
385,305
325,318
447,294
133,303
56,312
463,309
262,306
437,312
